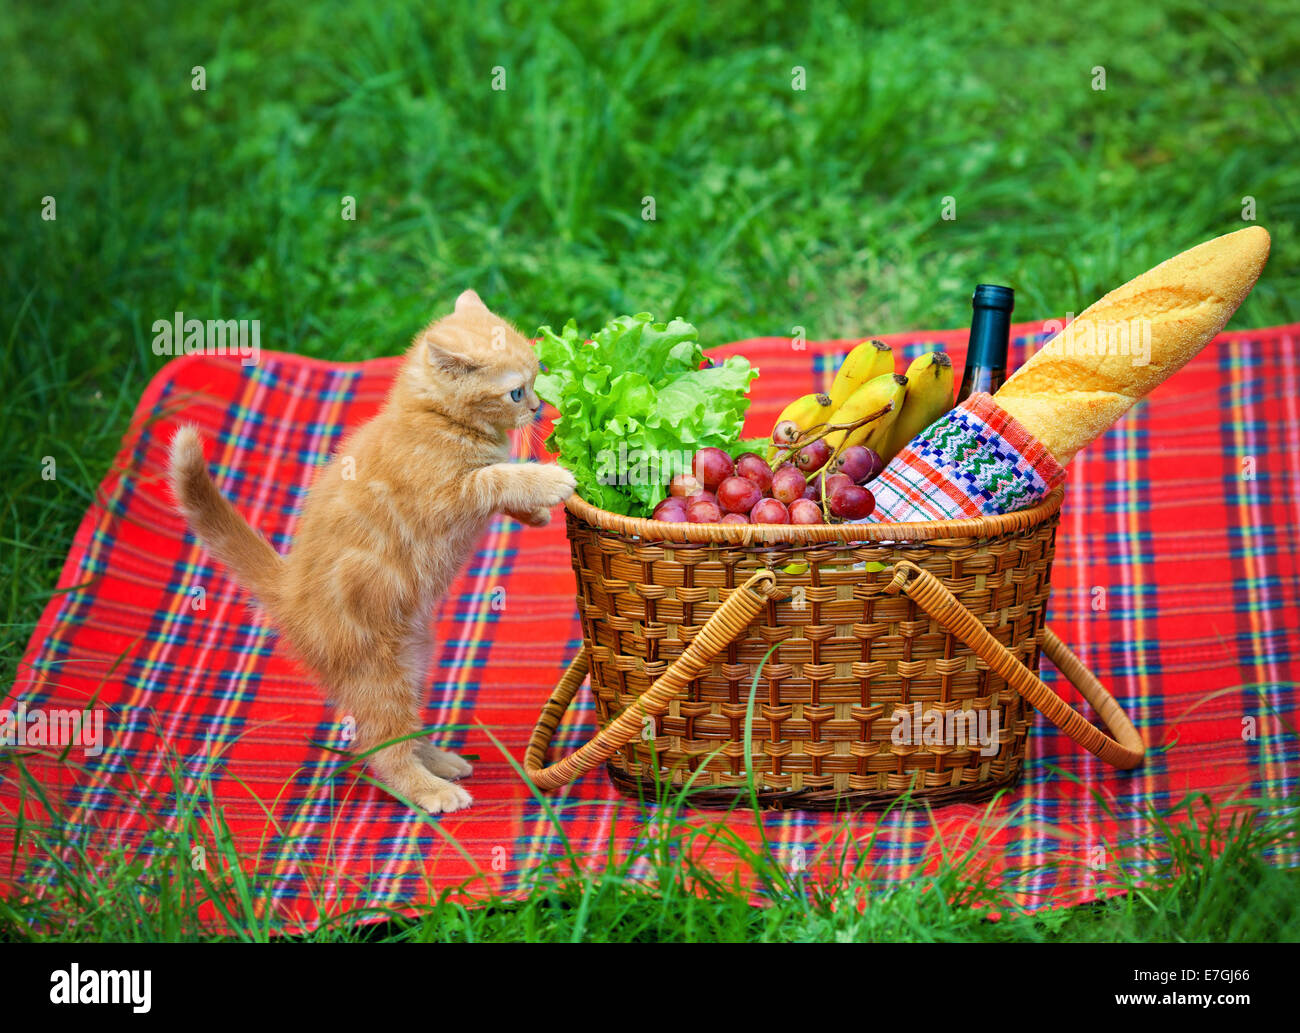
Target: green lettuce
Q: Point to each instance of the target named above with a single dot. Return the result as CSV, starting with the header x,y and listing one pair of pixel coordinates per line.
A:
x,y
634,406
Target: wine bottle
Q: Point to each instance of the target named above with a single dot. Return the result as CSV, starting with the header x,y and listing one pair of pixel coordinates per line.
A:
x,y
990,336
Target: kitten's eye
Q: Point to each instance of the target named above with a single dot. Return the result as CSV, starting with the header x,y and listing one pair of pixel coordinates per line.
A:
x,y
517,395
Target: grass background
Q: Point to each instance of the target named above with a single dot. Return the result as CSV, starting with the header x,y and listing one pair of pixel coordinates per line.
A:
x,y
775,207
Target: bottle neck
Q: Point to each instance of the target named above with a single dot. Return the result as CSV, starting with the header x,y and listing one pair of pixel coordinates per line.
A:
x,y
990,334
986,354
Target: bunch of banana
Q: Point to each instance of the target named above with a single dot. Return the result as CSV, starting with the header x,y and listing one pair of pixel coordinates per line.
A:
x,y
929,396
868,360
886,391
864,384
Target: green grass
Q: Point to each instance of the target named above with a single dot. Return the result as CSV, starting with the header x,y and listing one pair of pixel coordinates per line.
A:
x,y
775,208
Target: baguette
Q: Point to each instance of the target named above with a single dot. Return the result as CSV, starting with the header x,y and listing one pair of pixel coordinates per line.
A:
x,y
1100,365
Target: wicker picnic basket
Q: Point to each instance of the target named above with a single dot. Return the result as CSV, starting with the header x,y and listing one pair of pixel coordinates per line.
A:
x,y
865,619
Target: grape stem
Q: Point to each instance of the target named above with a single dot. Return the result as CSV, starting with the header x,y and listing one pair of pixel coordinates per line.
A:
x,y
816,433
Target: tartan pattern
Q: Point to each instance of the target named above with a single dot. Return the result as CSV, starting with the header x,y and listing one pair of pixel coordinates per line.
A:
x,y
1176,579
973,461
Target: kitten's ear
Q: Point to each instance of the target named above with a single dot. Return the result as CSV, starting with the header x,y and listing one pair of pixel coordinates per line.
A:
x,y
469,301
447,361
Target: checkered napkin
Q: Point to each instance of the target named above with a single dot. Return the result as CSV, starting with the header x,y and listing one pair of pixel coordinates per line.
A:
x,y
974,461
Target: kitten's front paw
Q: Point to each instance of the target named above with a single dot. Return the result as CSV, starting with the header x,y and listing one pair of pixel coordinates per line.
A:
x,y
539,517
445,799
556,483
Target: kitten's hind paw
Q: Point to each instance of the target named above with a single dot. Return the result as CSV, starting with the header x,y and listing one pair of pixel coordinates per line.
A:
x,y
443,763
445,799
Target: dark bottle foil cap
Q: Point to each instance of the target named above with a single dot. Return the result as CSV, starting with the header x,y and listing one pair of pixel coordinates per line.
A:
x,y
990,295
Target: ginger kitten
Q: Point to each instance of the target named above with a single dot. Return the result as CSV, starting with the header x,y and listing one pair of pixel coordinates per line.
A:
x,y
373,553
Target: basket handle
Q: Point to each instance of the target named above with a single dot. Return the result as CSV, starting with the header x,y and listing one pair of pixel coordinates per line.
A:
x,y
1124,750
728,621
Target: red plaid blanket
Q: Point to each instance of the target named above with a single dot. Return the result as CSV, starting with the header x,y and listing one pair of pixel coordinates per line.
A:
x,y
1176,580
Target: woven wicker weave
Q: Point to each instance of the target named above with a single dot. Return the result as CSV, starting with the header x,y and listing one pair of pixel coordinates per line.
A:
x,y
946,614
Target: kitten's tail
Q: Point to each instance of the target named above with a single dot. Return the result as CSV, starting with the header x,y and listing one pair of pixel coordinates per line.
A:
x,y
227,535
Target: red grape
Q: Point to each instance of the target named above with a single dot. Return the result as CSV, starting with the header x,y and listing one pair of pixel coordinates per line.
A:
x,y
835,480
811,493
877,465
813,456
735,518
785,433
672,509
754,468
788,483
683,485
805,511
769,511
858,463
712,466
852,502
702,511
703,493
738,494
